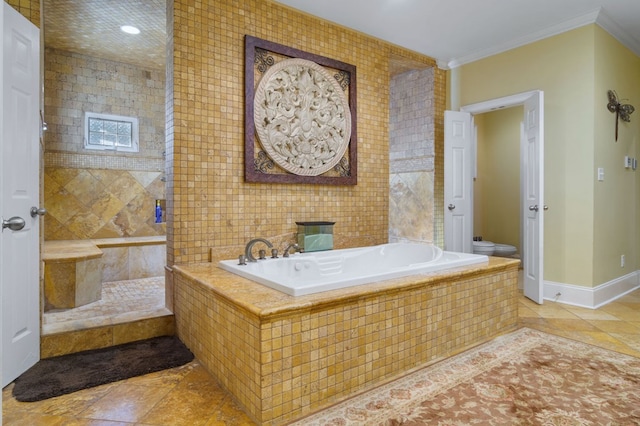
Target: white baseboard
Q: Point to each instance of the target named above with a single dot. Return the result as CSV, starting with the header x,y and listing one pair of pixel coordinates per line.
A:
x,y
591,297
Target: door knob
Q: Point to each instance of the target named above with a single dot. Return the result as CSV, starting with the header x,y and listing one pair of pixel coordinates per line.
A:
x,y
35,211
451,206
15,223
533,208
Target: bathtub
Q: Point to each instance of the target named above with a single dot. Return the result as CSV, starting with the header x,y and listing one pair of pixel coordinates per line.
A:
x,y
308,273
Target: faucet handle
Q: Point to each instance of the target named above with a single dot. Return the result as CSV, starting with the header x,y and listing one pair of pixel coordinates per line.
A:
x,y
274,253
295,247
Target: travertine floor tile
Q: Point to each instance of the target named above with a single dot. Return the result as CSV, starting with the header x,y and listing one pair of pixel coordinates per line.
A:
x,y
189,395
616,326
125,403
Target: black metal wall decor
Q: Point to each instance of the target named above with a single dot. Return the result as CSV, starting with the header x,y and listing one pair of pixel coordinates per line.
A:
x,y
300,116
623,111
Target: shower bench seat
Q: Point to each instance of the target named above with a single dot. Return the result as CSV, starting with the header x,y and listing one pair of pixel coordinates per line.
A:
x,y
74,270
72,275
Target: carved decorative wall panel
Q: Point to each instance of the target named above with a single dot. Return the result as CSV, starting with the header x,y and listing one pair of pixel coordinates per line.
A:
x,y
300,116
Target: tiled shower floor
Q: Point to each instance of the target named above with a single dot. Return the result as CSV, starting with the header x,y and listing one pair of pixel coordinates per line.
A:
x,y
122,301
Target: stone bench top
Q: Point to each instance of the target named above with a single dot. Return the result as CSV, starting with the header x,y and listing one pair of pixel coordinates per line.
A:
x,y
70,251
76,250
130,241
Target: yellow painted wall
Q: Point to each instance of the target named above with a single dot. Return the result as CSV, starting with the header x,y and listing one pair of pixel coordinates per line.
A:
x,y
616,198
209,203
497,185
570,69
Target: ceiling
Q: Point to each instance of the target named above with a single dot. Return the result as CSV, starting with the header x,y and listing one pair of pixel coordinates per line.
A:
x,y
455,32
92,27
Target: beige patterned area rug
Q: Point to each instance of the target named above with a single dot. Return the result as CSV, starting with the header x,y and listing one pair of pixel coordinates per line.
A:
x,y
524,378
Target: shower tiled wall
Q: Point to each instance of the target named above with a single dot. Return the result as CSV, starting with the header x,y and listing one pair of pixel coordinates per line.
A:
x,y
100,203
412,156
92,194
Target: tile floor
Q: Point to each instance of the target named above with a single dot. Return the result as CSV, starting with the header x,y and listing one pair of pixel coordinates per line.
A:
x,y
121,301
189,396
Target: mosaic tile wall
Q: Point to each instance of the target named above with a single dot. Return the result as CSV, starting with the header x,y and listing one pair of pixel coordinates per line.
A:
x,y
440,100
211,204
100,194
30,9
411,156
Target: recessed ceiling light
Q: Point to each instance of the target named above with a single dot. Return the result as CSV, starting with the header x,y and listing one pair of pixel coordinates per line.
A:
x,y
129,29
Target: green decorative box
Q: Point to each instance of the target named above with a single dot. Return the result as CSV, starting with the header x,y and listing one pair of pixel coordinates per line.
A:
x,y
315,236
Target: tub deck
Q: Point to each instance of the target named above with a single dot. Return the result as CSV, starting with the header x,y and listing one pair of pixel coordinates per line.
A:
x,y
283,357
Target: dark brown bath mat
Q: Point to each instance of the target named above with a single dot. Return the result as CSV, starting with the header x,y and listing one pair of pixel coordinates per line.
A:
x,y
69,373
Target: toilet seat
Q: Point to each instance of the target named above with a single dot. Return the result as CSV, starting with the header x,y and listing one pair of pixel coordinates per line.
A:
x,y
483,244
504,250
483,247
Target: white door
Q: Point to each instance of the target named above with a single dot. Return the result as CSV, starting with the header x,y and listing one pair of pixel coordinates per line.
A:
x,y
532,199
458,182
19,192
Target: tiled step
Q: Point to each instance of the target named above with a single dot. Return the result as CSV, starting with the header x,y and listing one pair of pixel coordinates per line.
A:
x,y
66,342
128,311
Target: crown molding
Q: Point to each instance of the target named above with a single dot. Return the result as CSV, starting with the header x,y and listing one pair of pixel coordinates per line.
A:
x,y
568,25
610,26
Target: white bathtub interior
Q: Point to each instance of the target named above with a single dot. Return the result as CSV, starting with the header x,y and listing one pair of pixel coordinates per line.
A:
x,y
309,273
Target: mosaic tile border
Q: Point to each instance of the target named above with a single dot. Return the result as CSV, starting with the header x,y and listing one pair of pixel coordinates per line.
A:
x,y
80,161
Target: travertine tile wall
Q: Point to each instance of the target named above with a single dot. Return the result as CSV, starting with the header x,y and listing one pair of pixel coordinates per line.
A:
x,y
100,203
210,203
75,83
412,156
92,194
440,101
30,9
216,118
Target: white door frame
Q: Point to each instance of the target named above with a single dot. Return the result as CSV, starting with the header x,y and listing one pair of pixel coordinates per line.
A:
x,y
536,292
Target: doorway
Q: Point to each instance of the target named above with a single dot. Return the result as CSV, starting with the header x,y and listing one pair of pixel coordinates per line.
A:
x,y
104,165
459,138
496,180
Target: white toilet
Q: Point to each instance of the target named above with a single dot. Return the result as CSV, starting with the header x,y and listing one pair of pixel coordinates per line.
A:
x,y
484,247
504,250
493,249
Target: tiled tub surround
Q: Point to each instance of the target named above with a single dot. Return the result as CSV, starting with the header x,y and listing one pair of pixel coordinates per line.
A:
x,y
75,269
283,357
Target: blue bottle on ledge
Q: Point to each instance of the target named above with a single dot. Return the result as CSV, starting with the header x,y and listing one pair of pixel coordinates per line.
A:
x,y
158,212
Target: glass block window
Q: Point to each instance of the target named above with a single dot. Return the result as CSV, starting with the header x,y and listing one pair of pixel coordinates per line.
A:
x,y
110,132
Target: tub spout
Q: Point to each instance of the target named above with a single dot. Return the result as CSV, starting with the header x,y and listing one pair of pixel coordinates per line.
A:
x,y
295,247
249,247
